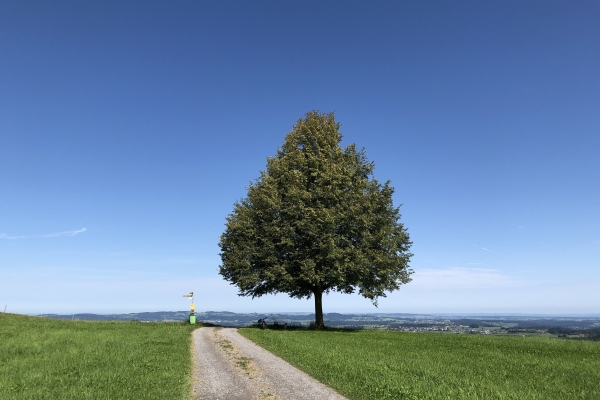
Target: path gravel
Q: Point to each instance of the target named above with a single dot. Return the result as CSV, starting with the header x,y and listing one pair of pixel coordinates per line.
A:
x,y
231,367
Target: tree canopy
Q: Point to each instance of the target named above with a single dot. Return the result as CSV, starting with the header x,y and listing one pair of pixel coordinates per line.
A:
x,y
316,221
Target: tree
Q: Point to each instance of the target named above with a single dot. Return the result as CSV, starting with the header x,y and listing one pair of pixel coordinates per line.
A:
x,y
316,221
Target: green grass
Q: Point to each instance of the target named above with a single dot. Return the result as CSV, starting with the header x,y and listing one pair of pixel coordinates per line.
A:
x,y
403,365
42,358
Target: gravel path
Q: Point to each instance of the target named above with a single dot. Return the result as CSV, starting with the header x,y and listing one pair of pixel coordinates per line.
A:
x,y
231,367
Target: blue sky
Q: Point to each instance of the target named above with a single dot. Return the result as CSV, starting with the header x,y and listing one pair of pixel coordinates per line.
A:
x,y
129,129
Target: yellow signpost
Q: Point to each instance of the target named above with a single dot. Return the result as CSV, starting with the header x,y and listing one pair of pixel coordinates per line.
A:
x,y
192,308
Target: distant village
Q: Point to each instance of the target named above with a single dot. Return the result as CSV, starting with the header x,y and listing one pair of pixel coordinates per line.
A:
x,y
587,328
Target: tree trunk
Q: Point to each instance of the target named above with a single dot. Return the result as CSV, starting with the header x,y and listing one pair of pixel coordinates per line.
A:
x,y
319,309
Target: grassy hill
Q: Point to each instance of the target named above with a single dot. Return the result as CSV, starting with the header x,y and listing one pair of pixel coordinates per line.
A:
x,y
43,358
373,364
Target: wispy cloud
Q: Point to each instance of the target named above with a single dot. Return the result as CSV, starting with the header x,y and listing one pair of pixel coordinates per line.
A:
x,y
463,278
50,235
65,233
485,248
5,236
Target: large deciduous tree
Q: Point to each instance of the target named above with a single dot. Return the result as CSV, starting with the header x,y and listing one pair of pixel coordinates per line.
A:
x,y
316,221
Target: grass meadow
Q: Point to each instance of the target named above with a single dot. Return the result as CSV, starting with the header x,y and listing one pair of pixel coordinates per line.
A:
x,y
372,364
43,358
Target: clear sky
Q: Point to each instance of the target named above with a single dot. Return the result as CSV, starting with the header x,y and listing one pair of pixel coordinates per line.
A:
x,y
129,129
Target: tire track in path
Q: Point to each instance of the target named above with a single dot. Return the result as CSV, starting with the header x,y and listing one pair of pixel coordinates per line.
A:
x,y
228,366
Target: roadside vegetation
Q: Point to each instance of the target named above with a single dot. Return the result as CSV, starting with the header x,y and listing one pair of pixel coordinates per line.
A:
x,y
371,364
43,358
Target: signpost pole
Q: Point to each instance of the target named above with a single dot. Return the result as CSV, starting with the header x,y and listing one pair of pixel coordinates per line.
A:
x,y
192,308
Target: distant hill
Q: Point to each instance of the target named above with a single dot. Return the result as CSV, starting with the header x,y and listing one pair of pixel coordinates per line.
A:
x,y
358,321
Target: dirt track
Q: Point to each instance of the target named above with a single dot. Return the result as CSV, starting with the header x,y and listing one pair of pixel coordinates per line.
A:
x,y
228,366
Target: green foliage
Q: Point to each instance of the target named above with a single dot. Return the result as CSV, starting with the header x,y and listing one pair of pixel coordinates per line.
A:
x,y
316,221
367,365
44,358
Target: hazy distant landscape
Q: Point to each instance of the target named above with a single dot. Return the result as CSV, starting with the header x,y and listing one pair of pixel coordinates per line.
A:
x,y
587,327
